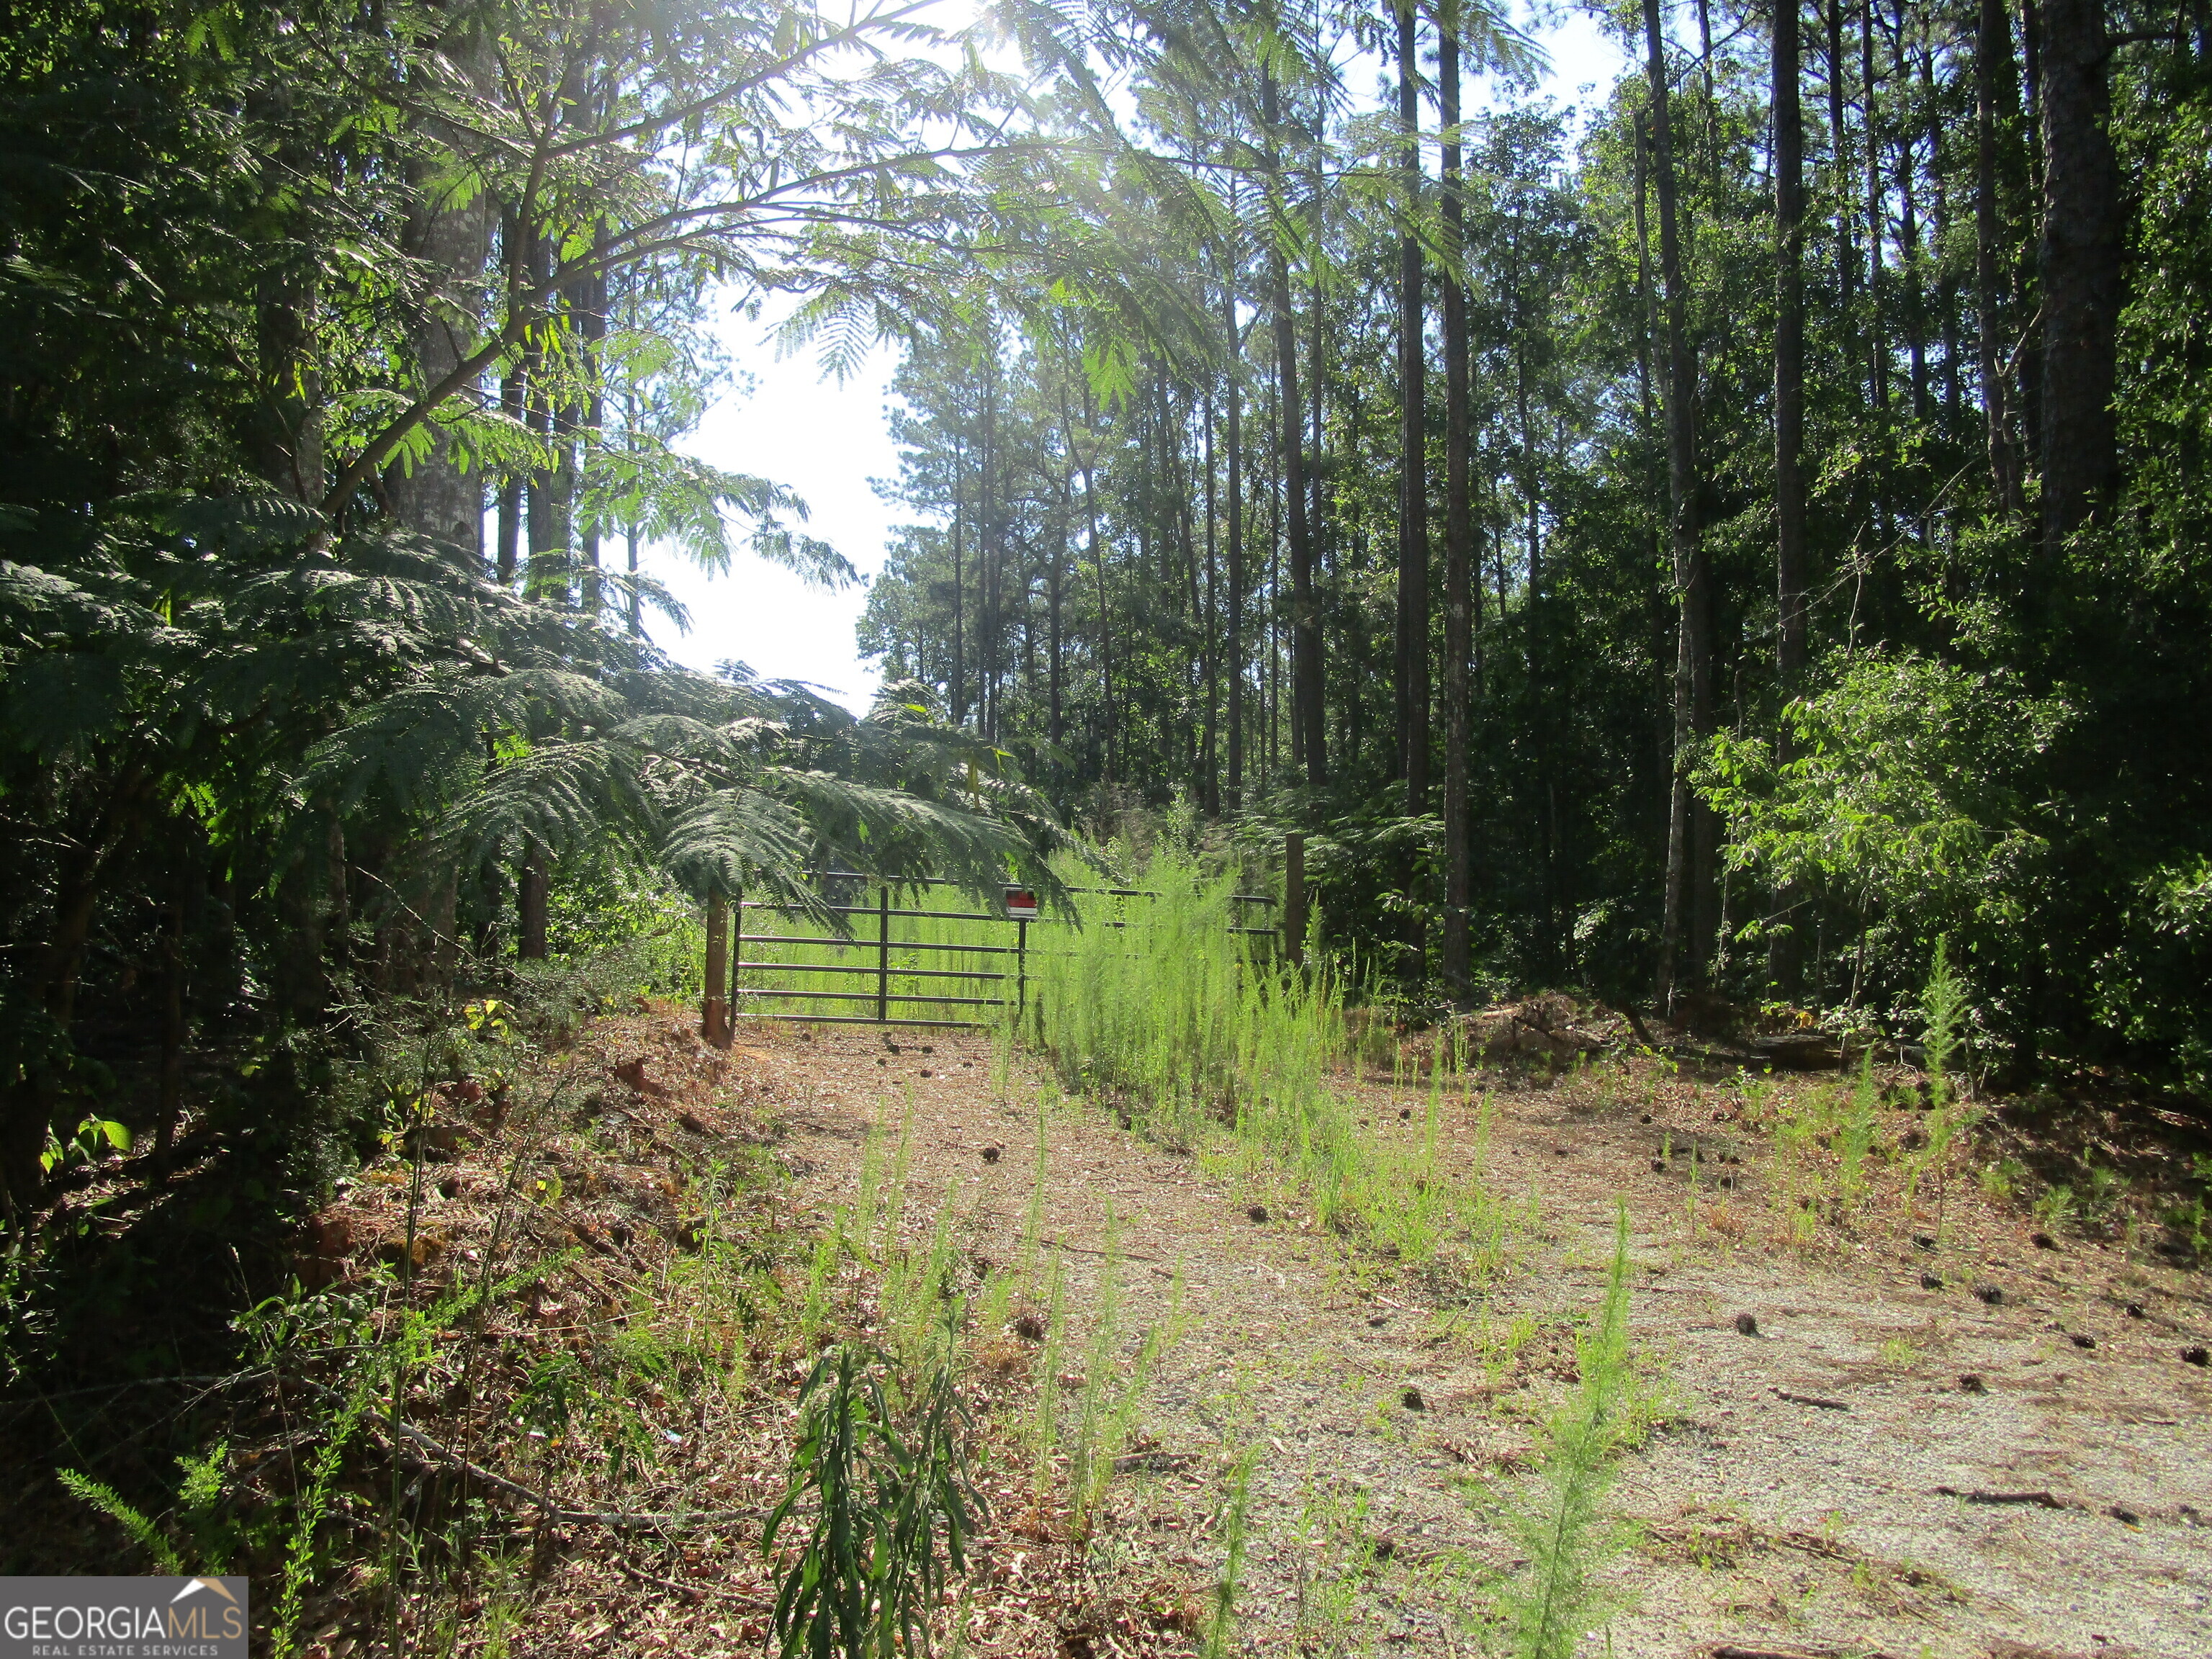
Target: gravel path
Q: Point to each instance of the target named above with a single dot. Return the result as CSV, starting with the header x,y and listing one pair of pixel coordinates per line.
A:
x,y
1830,1484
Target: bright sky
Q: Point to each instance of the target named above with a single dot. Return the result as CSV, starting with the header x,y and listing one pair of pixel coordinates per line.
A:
x,y
829,441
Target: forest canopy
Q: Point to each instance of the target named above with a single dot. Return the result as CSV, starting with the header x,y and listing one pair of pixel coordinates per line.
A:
x,y
348,354
1717,541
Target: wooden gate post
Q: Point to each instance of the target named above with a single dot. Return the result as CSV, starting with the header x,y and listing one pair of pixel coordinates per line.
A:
x,y
715,1013
1294,896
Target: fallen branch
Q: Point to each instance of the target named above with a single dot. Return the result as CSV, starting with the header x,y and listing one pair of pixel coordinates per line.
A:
x,y
1812,1400
1084,1249
2042,1500
693,1592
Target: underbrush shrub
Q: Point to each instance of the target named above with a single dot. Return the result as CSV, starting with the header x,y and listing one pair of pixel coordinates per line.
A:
x,y
883,1494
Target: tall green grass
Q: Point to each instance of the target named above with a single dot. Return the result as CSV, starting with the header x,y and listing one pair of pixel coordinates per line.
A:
x,y
1206,1036
1156,1000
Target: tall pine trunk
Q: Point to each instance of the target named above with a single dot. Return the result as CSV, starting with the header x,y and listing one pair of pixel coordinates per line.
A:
x,y
1209,637
1412,676
1839,170
1909,248
2079,263
1459,531
1692,647
1307,738
546,544
593,328
514,394
1789,422
1995,102
1876,345
1236,482
2025,279
1056,678
956,698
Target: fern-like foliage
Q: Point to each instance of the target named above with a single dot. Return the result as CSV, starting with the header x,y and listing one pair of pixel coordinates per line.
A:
x,y
535,727
231,659
110,1502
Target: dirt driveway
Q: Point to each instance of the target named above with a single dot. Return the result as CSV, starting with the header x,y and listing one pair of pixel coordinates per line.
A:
x,y
1862,1444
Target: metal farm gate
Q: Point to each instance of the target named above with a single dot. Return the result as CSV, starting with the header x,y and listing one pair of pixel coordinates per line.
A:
x,y
874,979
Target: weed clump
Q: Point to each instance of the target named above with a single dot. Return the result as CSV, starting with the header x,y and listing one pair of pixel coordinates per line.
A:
x,y
876,1490
1562,1528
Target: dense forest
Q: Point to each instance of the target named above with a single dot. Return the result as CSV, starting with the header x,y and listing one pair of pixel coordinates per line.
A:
x,y
1730,562
1723,541
348,354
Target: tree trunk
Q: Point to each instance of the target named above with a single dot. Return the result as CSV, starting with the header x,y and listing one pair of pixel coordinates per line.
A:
x,y
1991,82
1098,579
1692,658
1659,592
1458,533
636,597
534,889
2024,278
987,550
1908,233
1306,708
285,436
715,1006
1839,166
546,551
956,692
1994,106
1877,223
1307,713
1946,270
1209,637
594,332
1412,676
2079,263
1706,74
1283,625
1236,482
514,394
1317,473
448,243
1056,679
1789,424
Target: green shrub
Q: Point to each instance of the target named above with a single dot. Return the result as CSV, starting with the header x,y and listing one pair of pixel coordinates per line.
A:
x,y
876,1494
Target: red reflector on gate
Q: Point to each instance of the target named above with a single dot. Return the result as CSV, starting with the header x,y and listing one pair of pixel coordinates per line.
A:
x,y
1021,903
